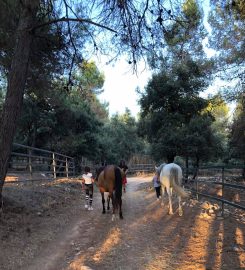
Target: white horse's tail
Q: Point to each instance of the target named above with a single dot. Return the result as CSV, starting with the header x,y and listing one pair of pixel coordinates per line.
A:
x,y
174,182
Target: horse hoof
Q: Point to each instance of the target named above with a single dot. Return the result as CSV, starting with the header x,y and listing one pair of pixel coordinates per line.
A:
x,y
121,216
170,213
103,212
180,212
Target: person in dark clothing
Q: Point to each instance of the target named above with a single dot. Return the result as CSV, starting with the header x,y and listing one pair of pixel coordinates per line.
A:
x,y
124,167
157,185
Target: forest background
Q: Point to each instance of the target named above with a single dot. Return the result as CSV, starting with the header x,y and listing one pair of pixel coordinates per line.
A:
x,y
50,87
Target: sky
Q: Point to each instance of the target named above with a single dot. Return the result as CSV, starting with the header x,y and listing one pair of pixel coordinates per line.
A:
x,y
120,85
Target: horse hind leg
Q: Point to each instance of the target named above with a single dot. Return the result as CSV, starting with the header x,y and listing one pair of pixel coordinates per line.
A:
x,y
108,203
180,207
169,191
120,209
103,203
113,207
163,193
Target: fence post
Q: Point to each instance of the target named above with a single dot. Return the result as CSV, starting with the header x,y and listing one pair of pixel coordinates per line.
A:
x,y
67,173
196,189
186,169
54,166
196,179
73,165
223,189
30,161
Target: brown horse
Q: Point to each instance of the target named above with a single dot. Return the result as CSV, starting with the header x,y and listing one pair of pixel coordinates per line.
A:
x,y
109,179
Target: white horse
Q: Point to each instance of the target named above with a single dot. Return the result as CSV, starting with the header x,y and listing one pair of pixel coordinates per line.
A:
x,y
171,179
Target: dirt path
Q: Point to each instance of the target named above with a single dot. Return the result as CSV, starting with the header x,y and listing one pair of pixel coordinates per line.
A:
x,y
147,238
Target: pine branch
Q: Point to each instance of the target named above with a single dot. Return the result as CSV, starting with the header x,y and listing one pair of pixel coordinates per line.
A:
x,y
64,19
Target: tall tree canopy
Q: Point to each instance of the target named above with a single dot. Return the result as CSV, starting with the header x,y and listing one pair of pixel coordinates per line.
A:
x,y
168,104
237,136
227,19
219,110
64,27
70,120
183,37
119,138
42,42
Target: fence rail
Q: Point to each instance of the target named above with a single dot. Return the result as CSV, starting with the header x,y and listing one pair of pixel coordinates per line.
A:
x,y
37,164
223,201
135,168
220,176
32,164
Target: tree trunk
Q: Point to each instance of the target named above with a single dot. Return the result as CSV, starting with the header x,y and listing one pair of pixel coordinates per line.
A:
x,y
16,84
187,168
196,168
243,171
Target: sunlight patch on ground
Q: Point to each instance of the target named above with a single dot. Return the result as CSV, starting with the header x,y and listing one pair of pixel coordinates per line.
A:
x,y
239,237
155,216
77,264
219,247
112,240
196,251
241,248
164,263
164,256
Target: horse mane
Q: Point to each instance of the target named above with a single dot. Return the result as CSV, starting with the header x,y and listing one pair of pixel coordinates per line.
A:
x,y
159,169
98,171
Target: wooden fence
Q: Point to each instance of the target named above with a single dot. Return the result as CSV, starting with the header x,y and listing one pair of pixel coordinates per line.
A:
x,y
141,168
34,164
31,164
141,164
225,184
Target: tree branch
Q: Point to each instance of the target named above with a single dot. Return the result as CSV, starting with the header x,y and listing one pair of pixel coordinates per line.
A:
x,y
72,20
72,42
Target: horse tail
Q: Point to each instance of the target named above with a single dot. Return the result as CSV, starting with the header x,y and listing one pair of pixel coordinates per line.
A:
x,y
175,183
118,184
